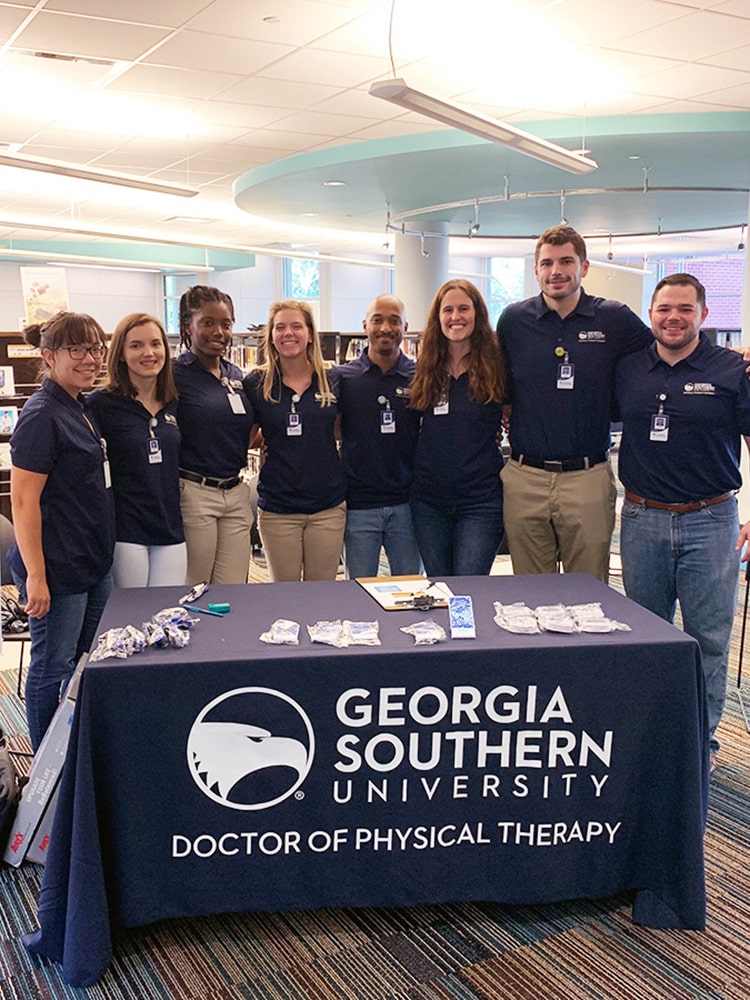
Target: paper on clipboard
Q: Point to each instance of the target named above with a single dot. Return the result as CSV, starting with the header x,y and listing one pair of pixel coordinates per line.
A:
x,y
395,593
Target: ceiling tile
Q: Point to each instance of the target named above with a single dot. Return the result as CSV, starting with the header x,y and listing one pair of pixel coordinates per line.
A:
x,y
590,22
688,80
335,70
738,97
10,19
197,50
278,93
50,32
695,36
300,21
286,142
162,80
368,36
738,58
316,123
170,13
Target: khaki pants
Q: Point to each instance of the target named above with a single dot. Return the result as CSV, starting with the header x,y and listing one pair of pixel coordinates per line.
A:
x,y
217,531
303,546
553,517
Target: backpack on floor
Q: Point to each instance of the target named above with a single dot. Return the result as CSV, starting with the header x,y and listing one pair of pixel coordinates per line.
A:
x,y
10,792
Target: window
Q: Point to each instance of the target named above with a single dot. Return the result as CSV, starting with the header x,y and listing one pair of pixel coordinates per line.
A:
x,y
174,286
301,279
506,284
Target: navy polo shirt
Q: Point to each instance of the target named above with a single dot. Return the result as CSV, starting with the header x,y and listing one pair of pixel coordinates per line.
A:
x,y
379,467
301,474
708,405
147,494
458,461
551,423
215,439
57,437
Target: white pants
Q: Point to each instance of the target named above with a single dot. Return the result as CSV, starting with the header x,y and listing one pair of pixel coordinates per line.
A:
x,y
149,565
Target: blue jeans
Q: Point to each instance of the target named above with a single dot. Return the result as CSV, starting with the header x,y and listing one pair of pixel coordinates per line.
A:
x,y
459,541
57,642
367,531
690,558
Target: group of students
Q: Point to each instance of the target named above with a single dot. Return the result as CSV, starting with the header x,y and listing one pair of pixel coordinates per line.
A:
x,y
140,483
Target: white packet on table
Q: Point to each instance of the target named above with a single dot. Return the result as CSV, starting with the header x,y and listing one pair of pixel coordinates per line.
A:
x,y
282,632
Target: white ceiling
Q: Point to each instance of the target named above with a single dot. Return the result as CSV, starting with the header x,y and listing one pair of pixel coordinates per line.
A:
x,y
198,93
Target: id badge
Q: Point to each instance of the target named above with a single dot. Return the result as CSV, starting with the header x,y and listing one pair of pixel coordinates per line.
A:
x,y
659,427
387,422
107,475
154,451
293,425
441,409
566,376
236,403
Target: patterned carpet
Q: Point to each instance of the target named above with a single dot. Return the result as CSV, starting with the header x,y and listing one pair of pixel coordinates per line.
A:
x,y
472,951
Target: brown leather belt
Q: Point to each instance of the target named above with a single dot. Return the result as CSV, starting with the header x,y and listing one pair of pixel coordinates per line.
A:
x,y
677,508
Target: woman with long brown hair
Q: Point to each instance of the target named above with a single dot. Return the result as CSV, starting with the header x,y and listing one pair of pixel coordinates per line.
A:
x,y
137,412
459,385
302,489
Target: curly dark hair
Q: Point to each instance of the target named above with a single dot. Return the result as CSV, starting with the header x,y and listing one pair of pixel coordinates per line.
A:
x,y
192,300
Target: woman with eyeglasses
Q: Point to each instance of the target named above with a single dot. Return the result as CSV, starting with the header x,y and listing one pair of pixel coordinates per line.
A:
x,y
63,511
137,412
215,418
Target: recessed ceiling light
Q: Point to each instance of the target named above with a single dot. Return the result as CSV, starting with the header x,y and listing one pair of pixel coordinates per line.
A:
x,y
272,20
634,156
334,184
309,215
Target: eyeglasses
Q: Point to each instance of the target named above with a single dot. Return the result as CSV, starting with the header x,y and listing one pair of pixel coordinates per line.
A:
x,y
79,351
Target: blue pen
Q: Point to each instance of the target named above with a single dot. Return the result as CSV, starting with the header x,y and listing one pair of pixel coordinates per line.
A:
x,y
203,611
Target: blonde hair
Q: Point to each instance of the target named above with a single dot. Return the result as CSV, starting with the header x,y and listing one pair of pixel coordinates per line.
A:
x,y
270,365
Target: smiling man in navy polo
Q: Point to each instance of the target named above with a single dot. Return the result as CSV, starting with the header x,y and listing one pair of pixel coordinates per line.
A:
x,y
563,346
379,439
685,404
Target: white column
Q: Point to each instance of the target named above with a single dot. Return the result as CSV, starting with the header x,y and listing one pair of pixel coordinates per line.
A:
x,y
418,277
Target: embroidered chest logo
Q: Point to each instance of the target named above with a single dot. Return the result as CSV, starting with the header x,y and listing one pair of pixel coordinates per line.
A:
x,y
699,389
592,336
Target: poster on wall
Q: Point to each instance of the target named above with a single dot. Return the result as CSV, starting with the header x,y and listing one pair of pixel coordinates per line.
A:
x,y
45,292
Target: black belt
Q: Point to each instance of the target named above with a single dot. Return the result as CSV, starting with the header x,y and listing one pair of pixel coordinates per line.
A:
x,y
218,484
677,508
559,465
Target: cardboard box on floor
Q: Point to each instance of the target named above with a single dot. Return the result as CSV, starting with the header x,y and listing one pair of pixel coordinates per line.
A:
x,y
33,823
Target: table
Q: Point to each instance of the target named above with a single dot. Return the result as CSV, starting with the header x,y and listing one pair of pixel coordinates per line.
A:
x,y
234,775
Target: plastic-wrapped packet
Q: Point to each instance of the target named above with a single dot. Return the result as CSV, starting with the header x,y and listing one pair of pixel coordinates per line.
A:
x,y
330,633
586,612
516,618
154,634
177,636
603,625
118,642
555,618
282,632
362,633
425,633
174,616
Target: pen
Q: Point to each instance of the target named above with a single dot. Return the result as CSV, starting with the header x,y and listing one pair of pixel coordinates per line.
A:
x,y
203,611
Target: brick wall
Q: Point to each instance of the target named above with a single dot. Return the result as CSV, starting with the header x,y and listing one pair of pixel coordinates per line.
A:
x,y
723,283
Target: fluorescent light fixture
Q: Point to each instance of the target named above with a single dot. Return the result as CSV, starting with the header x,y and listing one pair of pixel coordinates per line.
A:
x,y
63,169
100,263
397,92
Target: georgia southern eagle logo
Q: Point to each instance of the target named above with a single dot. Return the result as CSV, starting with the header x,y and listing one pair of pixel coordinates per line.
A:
x,y
250,748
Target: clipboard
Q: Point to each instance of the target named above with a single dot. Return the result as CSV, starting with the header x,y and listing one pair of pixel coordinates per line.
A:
x,y
397,593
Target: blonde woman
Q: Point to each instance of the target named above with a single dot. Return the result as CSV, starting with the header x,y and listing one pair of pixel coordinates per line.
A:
x,y
301,489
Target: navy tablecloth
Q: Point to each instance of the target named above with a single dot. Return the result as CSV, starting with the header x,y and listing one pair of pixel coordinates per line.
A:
x,y
234,775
